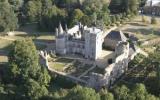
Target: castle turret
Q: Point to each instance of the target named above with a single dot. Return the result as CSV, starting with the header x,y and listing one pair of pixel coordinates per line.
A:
x,y
66,28
56,32
60,29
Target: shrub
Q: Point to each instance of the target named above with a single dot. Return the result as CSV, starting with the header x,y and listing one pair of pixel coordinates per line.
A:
x,y
153,20
144,20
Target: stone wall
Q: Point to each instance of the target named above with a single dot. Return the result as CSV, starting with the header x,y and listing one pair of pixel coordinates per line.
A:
x,y
113,71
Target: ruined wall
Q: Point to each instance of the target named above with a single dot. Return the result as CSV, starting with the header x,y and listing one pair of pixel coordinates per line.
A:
x,y
113,71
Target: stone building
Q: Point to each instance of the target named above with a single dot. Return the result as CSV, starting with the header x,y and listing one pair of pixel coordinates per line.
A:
x,y
89,43
79,40
112,39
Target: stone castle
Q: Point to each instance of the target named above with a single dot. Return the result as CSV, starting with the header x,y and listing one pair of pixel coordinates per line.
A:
x,y
89,42
79,40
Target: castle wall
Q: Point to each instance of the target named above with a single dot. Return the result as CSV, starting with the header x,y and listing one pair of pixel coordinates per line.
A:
x,y
75,47
110,43
113,71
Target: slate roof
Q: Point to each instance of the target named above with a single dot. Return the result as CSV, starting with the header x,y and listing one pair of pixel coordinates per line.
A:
x,y
117,35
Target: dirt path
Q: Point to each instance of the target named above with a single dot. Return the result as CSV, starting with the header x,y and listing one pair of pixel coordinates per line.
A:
x,y
5,38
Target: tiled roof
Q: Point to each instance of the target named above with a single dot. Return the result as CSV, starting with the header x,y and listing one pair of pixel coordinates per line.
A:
x,y
117,35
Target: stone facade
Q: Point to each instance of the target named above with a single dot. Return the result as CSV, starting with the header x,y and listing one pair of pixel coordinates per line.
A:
x,y
79,40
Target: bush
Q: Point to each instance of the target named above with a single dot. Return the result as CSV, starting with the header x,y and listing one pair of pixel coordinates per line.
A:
x,y
144,20
153,20
118,23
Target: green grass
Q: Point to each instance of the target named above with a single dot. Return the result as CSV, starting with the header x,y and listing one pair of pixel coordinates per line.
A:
x,y
59,63
46,37
4,43
57,66
64,60
3,59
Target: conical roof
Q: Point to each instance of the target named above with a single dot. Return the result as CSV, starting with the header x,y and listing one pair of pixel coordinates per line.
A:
x,y
60,29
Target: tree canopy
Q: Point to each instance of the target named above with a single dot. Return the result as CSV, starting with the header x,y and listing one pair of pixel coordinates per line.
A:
x,y
8,19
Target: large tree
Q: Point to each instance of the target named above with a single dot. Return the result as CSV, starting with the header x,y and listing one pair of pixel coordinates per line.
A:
x,y
25,71
76,17
82,93
33,10
105,95
24,58
121,92
8,19
120,6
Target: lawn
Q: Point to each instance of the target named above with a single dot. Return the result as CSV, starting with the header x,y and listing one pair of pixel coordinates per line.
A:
x,y
142,30
59,63
57,66
77,68
4,43
46,37
64,60
3,59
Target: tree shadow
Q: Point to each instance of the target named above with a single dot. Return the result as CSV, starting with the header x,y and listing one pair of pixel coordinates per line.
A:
x,y
32,30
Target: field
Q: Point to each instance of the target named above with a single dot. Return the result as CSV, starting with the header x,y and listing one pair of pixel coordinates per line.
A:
x,y
142,30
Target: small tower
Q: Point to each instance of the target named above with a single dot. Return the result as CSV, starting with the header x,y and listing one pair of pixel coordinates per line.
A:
x,y
60,40
60,29
66,28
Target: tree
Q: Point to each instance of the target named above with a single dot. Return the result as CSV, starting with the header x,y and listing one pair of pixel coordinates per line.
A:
x,y
25,58
121,6
76,16
91,6
105,95
139,92
86,20
8,19
16,4
115,6
33,10
121,93
153,20
25,71
82,93
34,90
133,6
154,59
51,17
142,3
